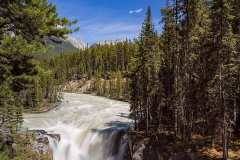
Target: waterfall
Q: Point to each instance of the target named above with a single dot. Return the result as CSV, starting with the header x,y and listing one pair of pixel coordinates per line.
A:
x,y
90,128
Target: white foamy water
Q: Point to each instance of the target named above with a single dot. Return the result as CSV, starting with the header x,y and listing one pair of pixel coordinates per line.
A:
x,y
91,128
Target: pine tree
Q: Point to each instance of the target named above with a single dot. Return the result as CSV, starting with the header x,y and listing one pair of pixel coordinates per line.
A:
x,y
145,71
33,20
224,47
167,74
236,65
24,25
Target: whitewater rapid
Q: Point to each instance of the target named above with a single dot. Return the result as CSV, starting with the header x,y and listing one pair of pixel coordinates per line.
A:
x,y
90,127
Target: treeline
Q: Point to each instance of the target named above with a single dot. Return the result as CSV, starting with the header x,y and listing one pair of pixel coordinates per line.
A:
x,y
183,81
105,65
24,82
193,88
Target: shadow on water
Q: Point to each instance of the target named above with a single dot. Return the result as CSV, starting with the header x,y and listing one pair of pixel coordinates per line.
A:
x,y
113,126
115,138
124,115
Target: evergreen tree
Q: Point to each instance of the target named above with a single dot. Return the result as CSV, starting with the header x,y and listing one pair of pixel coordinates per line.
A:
x,y
23,27
168,67
33,20
145,71
224,48
235,68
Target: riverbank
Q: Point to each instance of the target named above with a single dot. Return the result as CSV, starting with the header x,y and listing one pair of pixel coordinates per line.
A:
x,y
90,127
30,145
44,107
27,144
165,146
112,89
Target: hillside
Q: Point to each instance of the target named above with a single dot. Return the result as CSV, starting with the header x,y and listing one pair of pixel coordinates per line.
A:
x,y
65,46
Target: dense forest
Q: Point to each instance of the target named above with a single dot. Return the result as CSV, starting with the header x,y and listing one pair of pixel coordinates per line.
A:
x,y
193,90
183,82
24,81
106,65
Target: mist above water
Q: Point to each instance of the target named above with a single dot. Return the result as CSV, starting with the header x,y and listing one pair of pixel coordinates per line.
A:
x,y
90,127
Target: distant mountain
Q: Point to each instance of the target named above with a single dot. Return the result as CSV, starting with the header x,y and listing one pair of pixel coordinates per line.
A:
x,y
65,46
78,43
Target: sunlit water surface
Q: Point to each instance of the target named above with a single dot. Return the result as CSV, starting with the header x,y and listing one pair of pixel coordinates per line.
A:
x,y
91,128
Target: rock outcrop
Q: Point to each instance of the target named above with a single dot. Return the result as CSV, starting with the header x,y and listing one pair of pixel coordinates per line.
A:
x,y
40,144
79,86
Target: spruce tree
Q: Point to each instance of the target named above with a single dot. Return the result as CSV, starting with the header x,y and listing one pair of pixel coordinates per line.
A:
x,y
144,73
24,26
236,65
167,72
224,49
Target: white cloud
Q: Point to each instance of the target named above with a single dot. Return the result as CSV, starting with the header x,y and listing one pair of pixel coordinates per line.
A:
x,y
109,30
136,11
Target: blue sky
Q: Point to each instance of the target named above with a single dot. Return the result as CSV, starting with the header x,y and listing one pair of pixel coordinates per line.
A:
x,y
101,20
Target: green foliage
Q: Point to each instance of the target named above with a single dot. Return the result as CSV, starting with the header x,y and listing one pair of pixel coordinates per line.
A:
x,y
184,81
144,73
197,86
4,157
23,149
33,19
107,64
24,25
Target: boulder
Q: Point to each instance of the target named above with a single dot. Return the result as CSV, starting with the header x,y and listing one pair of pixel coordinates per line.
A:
x,y
41,143
54,136
6,144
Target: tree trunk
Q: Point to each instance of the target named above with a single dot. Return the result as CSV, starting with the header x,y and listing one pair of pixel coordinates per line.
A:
x,y
224,123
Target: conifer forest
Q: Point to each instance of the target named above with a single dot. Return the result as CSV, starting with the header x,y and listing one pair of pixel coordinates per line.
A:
x,y
181,81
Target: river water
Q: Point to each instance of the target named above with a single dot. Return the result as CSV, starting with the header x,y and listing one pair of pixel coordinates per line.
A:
x,y
90,127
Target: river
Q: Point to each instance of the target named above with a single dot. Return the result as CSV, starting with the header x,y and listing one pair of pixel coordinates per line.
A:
x,y
90,127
